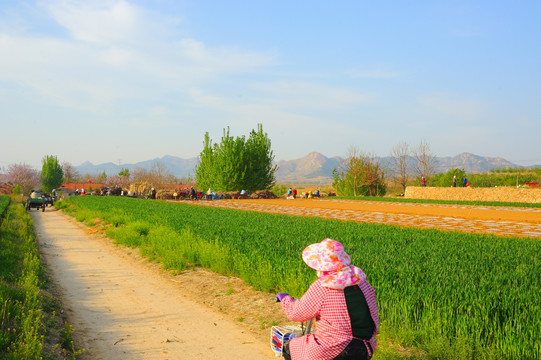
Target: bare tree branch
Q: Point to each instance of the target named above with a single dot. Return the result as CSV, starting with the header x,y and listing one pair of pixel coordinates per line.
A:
x,y
425,160
400,156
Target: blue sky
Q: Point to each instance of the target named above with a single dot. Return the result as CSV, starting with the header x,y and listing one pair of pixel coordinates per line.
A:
x,y
128,81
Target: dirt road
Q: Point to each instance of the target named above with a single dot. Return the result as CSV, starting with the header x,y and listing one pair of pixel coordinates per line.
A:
x,y
122,308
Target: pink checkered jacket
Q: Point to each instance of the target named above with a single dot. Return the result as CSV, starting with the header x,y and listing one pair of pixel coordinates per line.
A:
x,y
333,326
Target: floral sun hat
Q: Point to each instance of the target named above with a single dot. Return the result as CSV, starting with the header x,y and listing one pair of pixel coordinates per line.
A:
x,y
328,255
332,264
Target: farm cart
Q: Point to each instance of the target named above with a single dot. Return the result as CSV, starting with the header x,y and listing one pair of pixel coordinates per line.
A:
x,y
47,199
36,201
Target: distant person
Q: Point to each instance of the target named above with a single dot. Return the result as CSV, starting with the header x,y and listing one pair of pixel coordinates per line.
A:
x,y
294,193
193,195
153,194
465,183
454,181
423,181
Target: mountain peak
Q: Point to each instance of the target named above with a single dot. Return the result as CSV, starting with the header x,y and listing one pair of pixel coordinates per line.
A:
x,y
314,154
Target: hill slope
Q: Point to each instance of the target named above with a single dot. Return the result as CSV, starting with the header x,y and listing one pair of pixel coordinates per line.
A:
x,y
314,168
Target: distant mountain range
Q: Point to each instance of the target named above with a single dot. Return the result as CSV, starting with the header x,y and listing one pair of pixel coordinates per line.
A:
x,y
177,166
314,168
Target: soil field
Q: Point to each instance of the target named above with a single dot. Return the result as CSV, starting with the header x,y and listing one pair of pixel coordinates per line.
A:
x,y
506,221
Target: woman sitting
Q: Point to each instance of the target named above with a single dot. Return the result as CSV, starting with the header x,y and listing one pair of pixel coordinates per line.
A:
x,y
343,304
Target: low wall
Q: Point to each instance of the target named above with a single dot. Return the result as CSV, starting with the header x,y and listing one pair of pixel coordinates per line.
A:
x,y
503,194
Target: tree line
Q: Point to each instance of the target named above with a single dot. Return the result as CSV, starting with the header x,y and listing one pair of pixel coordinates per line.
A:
x,y
246,163
53,174
233,164
362,174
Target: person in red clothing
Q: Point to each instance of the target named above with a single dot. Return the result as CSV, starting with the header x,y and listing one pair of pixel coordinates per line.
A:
x,y
343,304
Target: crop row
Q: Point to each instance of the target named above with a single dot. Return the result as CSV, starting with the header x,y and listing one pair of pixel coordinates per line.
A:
x,y
455,295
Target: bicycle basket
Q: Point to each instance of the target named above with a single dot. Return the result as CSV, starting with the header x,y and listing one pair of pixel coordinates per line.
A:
x,y
281,334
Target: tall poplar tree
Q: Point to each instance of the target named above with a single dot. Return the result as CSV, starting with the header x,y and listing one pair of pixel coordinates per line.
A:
x,y
236,163
261,174
51,173
203,170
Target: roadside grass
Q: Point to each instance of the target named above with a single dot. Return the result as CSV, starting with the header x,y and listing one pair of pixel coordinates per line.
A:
x,y
441,294
28,322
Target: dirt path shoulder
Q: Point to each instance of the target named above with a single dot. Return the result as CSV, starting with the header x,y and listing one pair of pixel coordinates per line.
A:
x,y
122,308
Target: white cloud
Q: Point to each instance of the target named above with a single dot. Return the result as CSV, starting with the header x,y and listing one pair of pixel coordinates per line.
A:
x,y
287,125
298,94
101,22
218,60
115,51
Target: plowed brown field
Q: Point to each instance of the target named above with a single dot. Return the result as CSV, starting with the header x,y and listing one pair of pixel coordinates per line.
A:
x,y
505,221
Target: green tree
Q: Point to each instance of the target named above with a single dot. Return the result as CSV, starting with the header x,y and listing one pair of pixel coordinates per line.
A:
x,y
51,173
16,190
359,174
204,169
124,172
230,166
236,163
446,179
259,157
